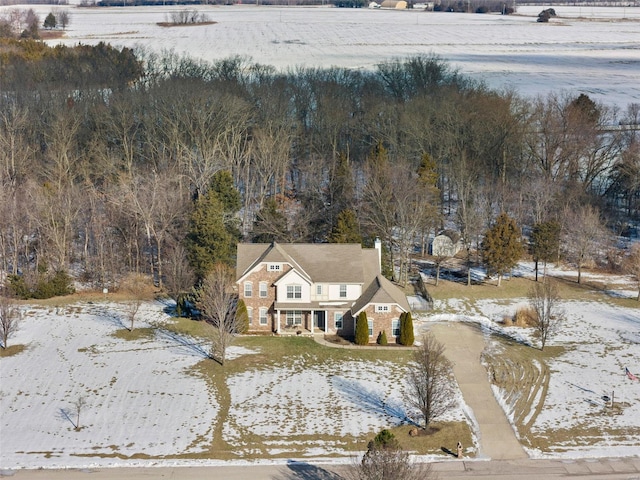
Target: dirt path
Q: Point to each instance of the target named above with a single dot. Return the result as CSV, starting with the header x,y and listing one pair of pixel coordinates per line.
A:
x,y
464,345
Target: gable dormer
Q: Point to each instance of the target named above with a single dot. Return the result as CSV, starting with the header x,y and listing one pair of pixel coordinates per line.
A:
x,y
293,287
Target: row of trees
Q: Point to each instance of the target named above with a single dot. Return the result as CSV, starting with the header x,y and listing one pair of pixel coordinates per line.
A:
x,y
113,161
20,23
17,23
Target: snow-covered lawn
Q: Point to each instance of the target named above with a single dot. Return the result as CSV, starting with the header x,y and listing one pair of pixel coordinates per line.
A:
x,y
149,400
591,50
599,339
140,398
154,399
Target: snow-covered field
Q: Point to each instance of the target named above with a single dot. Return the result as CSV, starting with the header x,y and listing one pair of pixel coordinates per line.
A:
x,y
146,404
590,50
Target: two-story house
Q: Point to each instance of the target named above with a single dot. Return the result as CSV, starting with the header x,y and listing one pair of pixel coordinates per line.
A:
x,y
313,288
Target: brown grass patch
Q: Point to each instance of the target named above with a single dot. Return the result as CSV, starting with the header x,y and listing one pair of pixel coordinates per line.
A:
x,y
12,350
524,317
135,334
439,436
51,34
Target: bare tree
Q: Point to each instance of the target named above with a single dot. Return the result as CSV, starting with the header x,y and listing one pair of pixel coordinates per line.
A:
x,y
55,215
632,265
584,233
9,319
440,261
64,17
158,205
386,460
545,301
134,285
217,301
429,380
16,153
179,274
78,405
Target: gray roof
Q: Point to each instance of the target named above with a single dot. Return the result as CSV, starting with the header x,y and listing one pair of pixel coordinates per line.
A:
x,y
381,290
321,262
327,263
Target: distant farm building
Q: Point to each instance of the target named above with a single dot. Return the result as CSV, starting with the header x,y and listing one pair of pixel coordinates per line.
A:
x,y
446,244
397,4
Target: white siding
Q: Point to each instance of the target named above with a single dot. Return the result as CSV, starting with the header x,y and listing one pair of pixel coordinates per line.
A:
x,y
353,292
293,278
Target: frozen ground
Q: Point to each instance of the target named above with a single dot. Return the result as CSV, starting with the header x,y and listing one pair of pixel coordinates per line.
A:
x,y
584,50
139,396
145,405
600,340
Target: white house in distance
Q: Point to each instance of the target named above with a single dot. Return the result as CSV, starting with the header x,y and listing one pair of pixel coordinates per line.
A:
x,y
317,288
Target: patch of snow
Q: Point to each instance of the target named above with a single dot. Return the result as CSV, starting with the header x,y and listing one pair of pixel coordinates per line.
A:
x,y
139,395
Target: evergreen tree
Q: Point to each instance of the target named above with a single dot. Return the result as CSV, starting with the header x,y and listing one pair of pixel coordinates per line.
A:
x,y
428,171
341,188
50,21
384,439
362,329
270,224
400,338
242,317
346,229
502,246
208,241
222,185
382,338
406,329
544,243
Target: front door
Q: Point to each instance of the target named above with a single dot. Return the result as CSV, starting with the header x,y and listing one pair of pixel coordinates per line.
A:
x,y
319,320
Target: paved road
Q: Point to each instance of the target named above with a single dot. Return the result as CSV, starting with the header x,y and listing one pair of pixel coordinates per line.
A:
x,y
464,345
523,469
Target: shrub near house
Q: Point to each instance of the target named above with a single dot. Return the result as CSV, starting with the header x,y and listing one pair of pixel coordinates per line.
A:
x,y
314,288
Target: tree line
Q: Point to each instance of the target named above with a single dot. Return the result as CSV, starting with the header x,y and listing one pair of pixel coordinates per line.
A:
x,y
114,161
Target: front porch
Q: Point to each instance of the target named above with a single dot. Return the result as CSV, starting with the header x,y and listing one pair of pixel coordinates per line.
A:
x,y
301,322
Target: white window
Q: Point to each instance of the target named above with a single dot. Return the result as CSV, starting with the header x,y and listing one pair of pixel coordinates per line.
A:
x,y
395,327
294,291
343,291
294,317
263,289
337,317
275,267
382,308
370,328
250,315
263,316
318,289
248,289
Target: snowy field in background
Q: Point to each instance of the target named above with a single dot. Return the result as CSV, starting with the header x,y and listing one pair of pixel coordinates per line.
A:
x,y
144,402
592,50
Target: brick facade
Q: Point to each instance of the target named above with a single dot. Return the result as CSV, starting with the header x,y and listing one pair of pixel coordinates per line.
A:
x,y
255,302
320,282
